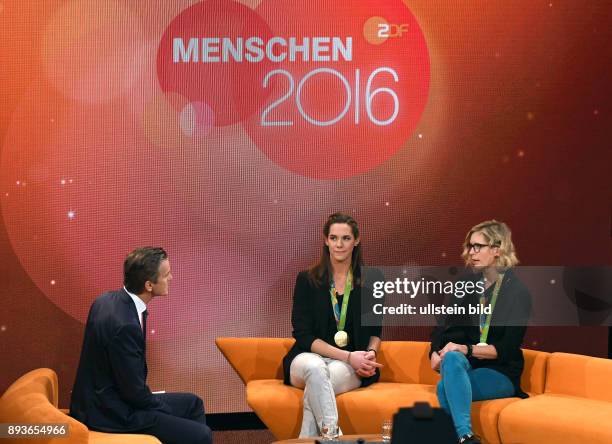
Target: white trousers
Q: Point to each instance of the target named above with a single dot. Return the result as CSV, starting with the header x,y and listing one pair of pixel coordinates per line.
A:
x,y
322,379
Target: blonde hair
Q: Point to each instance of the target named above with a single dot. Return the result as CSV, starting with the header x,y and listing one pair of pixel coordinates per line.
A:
x,y
497,234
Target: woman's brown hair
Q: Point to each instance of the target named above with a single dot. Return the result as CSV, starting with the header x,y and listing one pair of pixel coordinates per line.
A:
x,y
319,274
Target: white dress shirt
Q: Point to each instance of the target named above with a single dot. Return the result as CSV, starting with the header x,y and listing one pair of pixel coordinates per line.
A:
x,y
139,303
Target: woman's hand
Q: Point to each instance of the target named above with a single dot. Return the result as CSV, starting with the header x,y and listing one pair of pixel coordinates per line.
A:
x,y
367,369
435,361
365,373
370,355
451,346
364,363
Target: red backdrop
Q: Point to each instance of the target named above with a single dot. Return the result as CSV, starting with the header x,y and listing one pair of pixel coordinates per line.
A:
x,y
503,111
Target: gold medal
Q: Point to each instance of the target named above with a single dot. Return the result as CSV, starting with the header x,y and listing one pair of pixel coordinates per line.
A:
x,y
481,344
341,338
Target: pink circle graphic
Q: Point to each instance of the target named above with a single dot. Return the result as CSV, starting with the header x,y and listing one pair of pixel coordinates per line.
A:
x,y
190,59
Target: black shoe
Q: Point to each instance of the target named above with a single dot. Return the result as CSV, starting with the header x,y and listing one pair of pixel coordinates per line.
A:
x,y
469,439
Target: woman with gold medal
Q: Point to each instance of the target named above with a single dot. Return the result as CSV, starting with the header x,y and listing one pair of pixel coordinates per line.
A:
x,y
333,352
479,357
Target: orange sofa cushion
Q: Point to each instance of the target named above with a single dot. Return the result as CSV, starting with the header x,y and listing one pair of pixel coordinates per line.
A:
x,y
581,376
406,361
553,419
363,410
279,406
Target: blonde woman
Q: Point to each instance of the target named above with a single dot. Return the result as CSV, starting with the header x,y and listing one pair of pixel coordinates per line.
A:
x,y
479,357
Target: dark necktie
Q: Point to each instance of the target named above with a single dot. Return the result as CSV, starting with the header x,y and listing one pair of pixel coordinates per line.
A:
x,y
144,335
144,323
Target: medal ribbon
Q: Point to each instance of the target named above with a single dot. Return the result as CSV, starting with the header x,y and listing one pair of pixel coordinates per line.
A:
x,y
484,326
338,314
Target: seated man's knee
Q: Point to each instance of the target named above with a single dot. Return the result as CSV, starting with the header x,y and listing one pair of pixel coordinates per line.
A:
x,y
203,435
198,403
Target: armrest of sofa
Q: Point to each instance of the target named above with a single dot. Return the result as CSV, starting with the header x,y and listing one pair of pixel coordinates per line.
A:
x,y
33,399
533,378
255,358
41,380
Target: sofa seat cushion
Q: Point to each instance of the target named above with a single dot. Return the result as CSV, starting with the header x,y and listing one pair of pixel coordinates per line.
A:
x,y
485,418
552,418
279,406
363,410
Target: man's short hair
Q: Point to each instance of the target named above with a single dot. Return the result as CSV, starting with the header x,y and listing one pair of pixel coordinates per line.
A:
x,y
140,266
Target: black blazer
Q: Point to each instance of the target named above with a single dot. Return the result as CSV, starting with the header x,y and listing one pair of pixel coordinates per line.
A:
x,y
506,333
110,393
312,318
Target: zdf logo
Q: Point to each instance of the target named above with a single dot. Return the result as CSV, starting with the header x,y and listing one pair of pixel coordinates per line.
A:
x,y
377,30
386,30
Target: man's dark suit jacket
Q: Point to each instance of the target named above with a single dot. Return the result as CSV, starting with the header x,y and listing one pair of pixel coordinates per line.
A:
x,y
110,393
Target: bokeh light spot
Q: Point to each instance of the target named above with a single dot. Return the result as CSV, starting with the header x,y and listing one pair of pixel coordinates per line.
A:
x,y
197,119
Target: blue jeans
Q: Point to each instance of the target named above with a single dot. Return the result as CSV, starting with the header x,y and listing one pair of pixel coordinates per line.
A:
x,y
461,384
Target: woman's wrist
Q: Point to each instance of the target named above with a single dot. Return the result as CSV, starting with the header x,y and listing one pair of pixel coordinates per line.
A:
x,y
373,350
348,358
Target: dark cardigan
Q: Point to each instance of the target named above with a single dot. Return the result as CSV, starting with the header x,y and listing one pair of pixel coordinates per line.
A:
x,y
508,326
312,318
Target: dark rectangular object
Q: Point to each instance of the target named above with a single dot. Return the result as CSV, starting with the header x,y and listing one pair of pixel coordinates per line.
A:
x,y
234,421
422,424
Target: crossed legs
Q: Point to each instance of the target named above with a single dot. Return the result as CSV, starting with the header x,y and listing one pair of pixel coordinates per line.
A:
x,y
322,379
461,384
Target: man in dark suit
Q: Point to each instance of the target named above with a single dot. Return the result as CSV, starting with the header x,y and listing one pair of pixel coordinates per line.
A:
x,y
110,393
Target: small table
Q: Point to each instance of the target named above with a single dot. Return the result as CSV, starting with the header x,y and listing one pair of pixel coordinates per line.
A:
x,y
367,438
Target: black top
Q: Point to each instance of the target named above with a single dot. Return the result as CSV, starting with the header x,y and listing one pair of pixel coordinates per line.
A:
x,y
506,333
313,318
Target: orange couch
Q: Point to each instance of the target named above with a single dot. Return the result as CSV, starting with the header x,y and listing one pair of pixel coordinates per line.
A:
x,y
33,399
405,378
